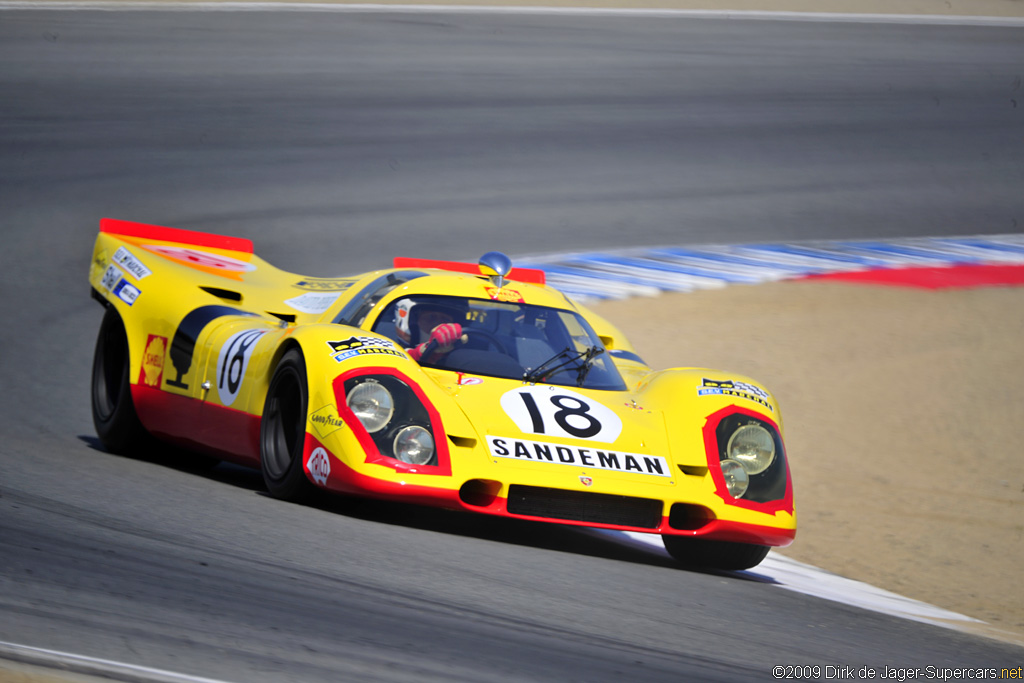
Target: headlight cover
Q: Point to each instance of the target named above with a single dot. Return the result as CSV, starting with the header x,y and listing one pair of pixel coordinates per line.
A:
x,y
372,404
736,478
414,445
395,418
756,446
753,447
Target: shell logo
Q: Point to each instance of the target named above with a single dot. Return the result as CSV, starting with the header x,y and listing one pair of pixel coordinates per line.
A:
x,y
153,361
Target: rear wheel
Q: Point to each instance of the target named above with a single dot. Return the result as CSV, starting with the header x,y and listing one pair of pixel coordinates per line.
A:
x,y
283,430
704,554
113,412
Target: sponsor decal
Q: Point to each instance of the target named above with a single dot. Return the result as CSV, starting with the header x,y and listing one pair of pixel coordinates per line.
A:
x,y
233,361
313,302
152,371
558,411
362,346
503,294
728,387
318,284
100,260
319,466
326,421
203,259
127,293
576,456
464,381
136,268
111,277
114,282
586,481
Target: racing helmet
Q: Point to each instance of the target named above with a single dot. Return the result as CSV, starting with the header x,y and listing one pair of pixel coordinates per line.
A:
x,y
408,312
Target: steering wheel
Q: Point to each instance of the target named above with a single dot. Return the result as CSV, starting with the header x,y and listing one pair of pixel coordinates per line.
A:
x,y
487,335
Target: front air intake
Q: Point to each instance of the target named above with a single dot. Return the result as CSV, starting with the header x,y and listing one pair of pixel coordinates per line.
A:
x,y
581,506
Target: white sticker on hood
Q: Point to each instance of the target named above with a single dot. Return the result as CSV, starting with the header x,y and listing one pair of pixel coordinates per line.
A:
x,y
313,302
558,411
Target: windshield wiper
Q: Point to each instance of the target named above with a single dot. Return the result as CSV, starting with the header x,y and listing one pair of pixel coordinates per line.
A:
x,y
567,356
588,362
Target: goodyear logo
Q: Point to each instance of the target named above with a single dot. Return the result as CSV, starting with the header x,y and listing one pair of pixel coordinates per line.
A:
x,y
362,346
326,421
728,387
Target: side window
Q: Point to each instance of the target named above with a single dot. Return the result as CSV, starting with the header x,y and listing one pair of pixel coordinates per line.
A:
x,y
355,311
580,336
386,323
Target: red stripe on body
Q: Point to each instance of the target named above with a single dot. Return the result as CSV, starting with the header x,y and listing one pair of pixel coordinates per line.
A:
x,y
234,435
113,226
344,479
222,432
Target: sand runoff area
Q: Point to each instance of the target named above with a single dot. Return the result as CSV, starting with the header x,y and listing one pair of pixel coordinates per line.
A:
x,y
902,409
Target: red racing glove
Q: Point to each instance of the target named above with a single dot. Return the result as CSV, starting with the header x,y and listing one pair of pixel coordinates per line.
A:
x,y
442,340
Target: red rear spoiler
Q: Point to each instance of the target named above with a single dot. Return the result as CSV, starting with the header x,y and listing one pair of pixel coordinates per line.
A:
x,y
531,275
113,226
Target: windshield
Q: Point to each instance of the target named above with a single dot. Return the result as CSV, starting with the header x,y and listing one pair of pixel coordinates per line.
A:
x,y
505,339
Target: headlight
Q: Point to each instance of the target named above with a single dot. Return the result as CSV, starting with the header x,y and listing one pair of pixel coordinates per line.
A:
x,y
414,445
753,447
736,478
372,404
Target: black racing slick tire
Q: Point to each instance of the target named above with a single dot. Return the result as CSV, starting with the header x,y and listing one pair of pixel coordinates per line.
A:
x,y
113,412
700,553
283,430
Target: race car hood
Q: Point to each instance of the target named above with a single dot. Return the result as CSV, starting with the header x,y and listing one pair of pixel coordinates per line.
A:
x,y
525,425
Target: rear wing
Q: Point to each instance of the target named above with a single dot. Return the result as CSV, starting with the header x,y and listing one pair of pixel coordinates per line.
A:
x,y
170,267
113,226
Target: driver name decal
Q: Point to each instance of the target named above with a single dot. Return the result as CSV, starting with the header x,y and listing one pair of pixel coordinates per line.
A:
x,y
594,458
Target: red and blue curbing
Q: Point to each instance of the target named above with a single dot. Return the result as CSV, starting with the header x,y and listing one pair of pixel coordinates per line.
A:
x,y
926,262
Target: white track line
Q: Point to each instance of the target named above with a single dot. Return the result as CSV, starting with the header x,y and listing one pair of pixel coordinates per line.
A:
x,y
829,17
92,666
804,578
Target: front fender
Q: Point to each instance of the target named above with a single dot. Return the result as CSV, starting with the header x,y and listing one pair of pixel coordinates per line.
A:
x,y
335,355
702,407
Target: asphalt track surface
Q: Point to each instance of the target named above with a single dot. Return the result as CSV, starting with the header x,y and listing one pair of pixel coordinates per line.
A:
x,y
337,141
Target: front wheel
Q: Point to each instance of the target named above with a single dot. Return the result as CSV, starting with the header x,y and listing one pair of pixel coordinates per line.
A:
x,y
283,430
704,554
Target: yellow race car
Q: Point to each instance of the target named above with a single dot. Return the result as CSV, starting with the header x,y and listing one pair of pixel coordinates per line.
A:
x,y
474,387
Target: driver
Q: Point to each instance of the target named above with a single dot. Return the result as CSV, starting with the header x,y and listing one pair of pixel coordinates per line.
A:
x,y
429,321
